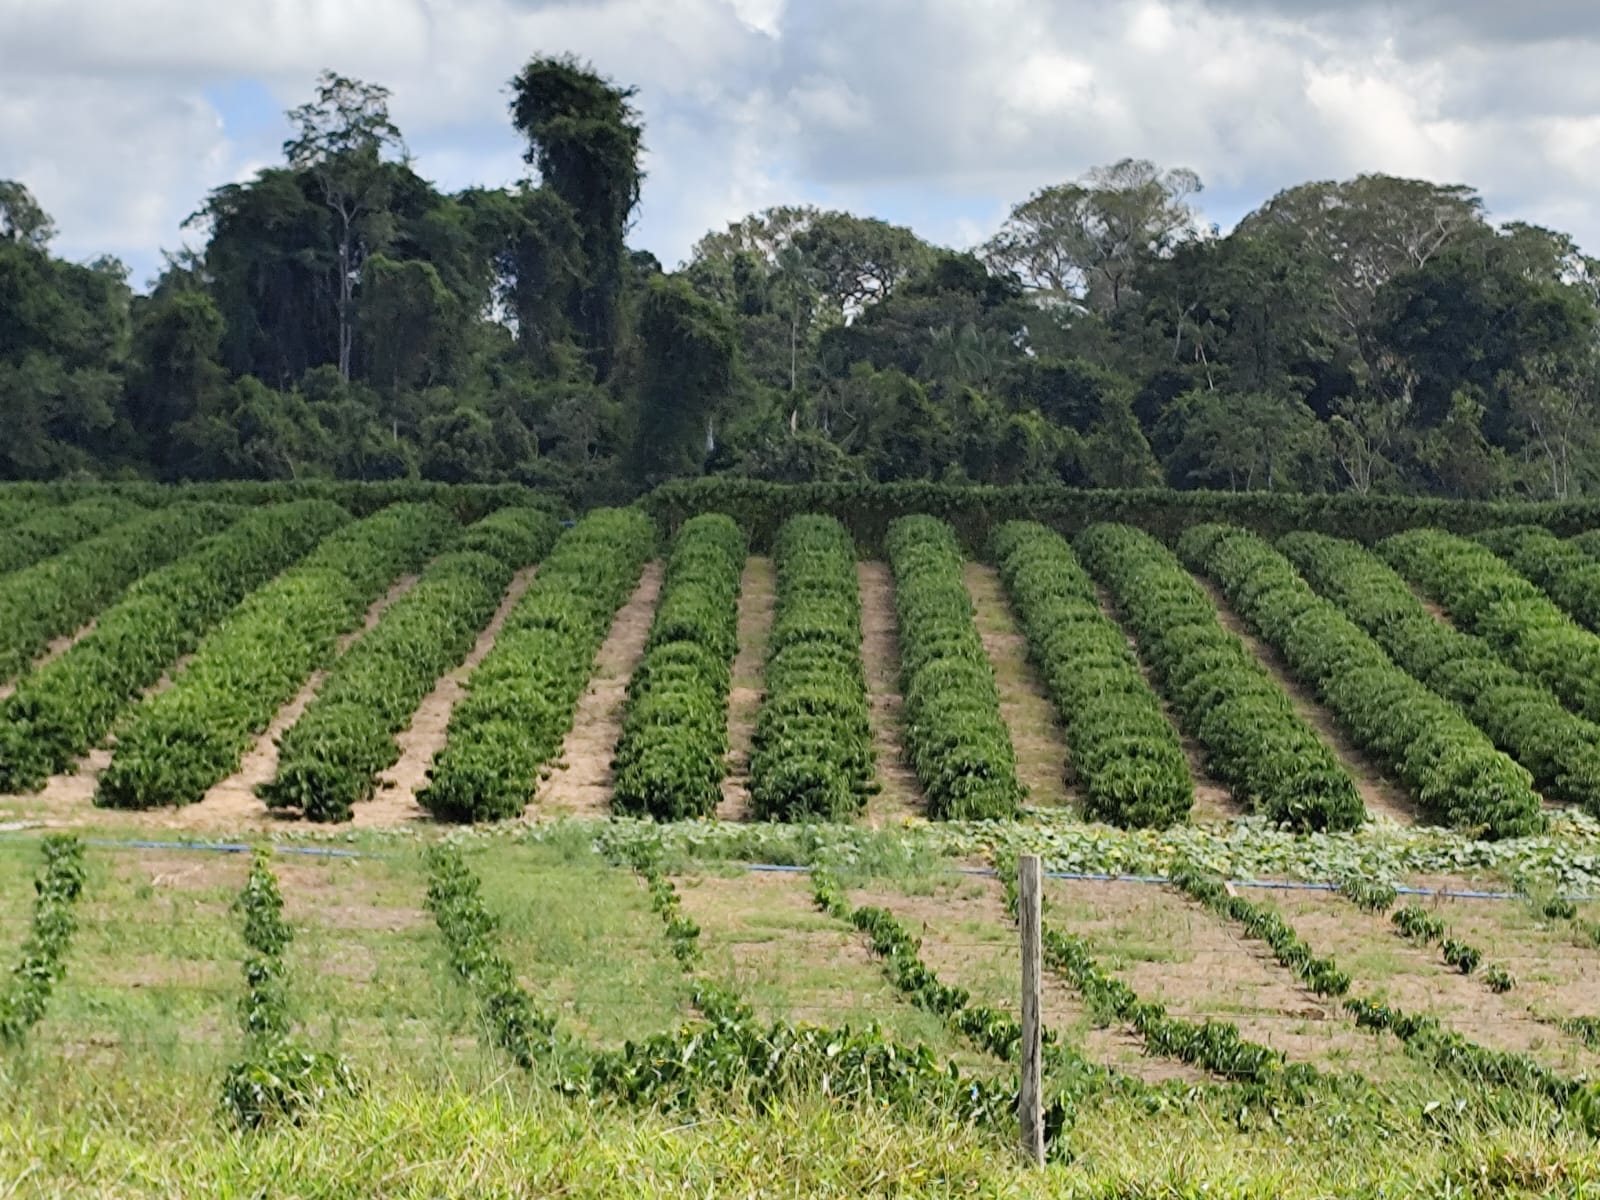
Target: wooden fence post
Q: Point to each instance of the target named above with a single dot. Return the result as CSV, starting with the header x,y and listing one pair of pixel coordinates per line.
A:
x,y
1030,1102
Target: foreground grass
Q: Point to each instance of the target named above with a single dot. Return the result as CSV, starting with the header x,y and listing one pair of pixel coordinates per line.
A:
x,y
117,1095
506,1137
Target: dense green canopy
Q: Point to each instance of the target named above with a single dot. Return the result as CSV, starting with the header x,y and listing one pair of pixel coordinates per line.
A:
x,y
347,319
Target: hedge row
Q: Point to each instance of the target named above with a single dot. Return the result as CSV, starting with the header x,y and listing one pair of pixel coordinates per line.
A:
x,y
811,755
467,501
192,735
1444,760
55,597
1521,715
1125,754
1485,596
868,509
65,708
1567,573
50,530
956,739
671,758
1255,742
331,758
520,700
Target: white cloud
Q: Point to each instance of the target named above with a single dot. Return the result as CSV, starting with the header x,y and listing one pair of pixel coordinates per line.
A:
x,y
934,113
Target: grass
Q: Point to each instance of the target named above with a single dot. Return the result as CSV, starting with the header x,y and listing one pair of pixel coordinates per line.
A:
x,y
146,1020
408,1136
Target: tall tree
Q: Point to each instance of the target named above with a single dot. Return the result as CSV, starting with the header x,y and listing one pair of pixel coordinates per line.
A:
x,y
341,139
688,355
1081,243
21,219
584,137
1364,232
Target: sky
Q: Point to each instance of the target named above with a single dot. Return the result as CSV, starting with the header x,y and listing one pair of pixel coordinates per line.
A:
x,y
120,115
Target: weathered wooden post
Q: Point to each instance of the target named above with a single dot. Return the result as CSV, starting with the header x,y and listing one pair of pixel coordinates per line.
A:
x,y
1030,1102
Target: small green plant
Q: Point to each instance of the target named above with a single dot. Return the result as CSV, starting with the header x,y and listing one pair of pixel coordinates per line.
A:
x,y
278,1079
43,963
1369,895
1418,924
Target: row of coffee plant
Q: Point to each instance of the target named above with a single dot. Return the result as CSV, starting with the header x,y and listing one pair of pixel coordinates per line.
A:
x,y
811,755
192,735
1566,572
44,952
330,759
994,1031
1255,742
671,758
48,531
1424,1036
1125,754
1216,1046
1420,925
279,1077
1485,596
702,1065
1443,759
55,597
65,708
955,738
521,698
1523,717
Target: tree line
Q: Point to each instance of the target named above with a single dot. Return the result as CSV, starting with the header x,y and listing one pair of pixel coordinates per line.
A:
x,y
344,318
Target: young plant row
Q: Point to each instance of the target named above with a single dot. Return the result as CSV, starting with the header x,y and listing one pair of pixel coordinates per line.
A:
x,y
1566,573
330,759
55,597
1320,975
1485,596
51,530
670,759
514,1020
720,1004
1419,925
44,953
683,934
991,1030
956,739
1254,740
1524,718
1125,754
1424,1037
521,698
1443,759
1215,1046
704,1063
192,736
811,755
62,710
279,1078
